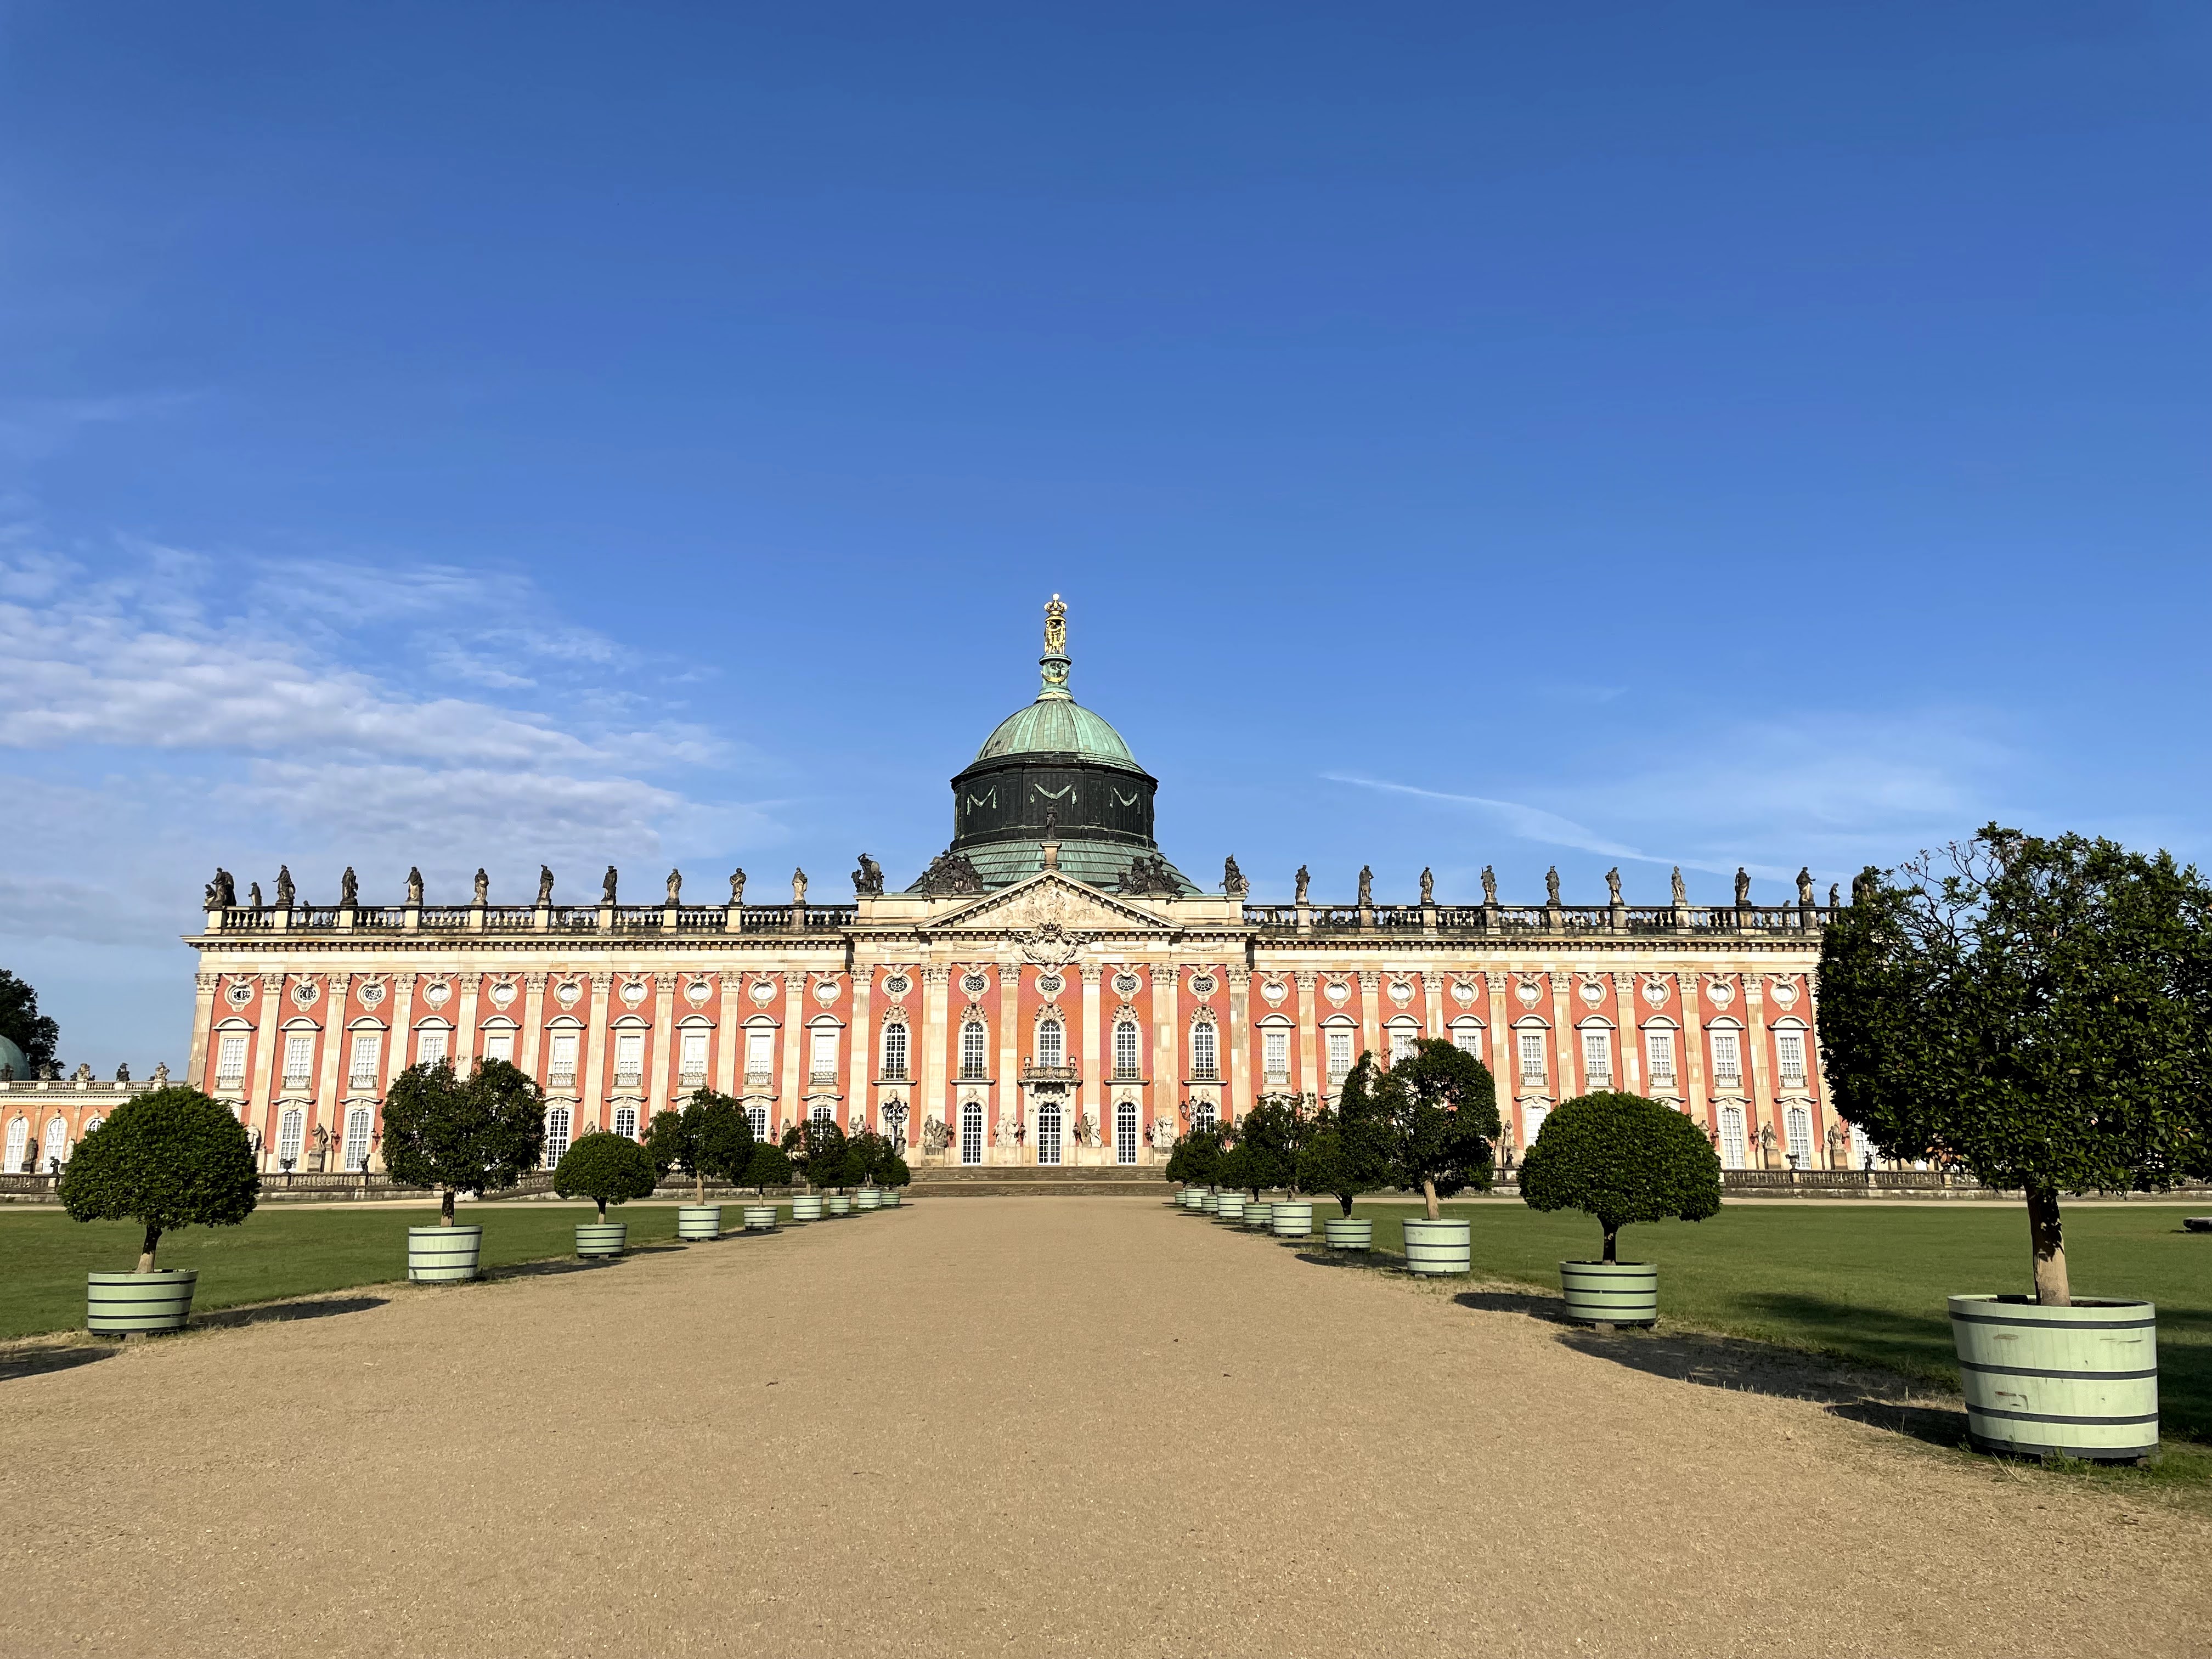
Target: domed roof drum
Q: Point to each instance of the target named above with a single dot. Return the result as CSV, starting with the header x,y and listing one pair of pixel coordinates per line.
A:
x,y
1055,771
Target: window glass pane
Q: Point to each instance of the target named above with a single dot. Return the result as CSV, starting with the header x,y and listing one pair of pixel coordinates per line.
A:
x,y
1050,1046
230,1060
760,1054
894,1051
626,1121
1275,1053
1340,1051
1532,1056
430,1047
500,1045
1597,1054
291,1132
556,1133
1126,1050
1202,1051
1468,1039
1660,1045
1725,1064
299,1057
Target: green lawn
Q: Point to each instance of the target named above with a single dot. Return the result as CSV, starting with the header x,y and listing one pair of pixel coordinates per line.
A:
x,y
1869,1282
277,1252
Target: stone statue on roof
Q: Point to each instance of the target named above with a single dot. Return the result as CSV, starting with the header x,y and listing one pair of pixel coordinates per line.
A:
x,y
1681,893
737,886
1232,878
483,886
1613,885
952,875
1366,886
798,886
1302,878
223,891
1428,885
607,886
254,895
1805,886
676,887
868,879
1742,887
545,883
1490,886
285,891
414,886
1552,885
348,889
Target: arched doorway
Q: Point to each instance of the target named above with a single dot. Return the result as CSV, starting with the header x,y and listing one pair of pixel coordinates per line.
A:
x,y
1047,1129
1124,1132
971,1131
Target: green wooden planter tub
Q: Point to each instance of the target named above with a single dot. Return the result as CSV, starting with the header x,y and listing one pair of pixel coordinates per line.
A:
x,y
1210,1203
807,1206
1293,1221
444,1255
1344,1233
1612,1292
698,1221
131,1304
891,1198
2081,1380
1229,1206
601,1238
868,1198
840,1204
1441,1247
1191,1199
1260,1217
760,1217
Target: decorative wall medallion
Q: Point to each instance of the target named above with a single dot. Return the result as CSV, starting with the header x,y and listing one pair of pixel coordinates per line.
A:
x,y
1527,992
762,991
503,994
568,992
437,993
372,993
1655,992
305,993
633,992
697,992
1337,992
1591,992
1720,993
826,990
1201,985
1785,992
1462,994
1402,991
1050,985
1126,984
241,992
1273,991
897,985
975,984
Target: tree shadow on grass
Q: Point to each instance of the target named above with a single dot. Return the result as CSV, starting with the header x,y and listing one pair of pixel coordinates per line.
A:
x,y
43,1361
284,1313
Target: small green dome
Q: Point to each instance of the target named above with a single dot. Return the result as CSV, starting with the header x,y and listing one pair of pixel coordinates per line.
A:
x,y
1055,724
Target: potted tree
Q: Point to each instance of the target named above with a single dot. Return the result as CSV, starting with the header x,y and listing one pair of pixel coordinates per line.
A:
x,y
770,1167
168,1159
710,1139
1621,1158
896,1177
1233,1176
1275,1132
1439,1109
1194,1160
607,1169
480,1136
1344,1156
816,1149
2036,1011
866,1155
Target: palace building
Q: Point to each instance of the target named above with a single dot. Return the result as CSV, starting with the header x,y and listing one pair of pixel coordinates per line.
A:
x,y
1050,990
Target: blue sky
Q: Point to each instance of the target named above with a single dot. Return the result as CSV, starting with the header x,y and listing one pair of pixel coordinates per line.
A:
x,y
1463,435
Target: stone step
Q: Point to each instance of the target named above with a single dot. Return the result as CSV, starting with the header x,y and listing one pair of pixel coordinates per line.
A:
x,y
1068,1179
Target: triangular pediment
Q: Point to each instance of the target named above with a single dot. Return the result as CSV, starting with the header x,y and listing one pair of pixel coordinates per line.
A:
x,y
1051,899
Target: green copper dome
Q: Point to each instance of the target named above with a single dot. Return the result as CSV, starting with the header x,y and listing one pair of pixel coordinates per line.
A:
x,y
1058,724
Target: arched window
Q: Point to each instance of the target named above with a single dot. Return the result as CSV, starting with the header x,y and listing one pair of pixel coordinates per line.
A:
x,y
626,1122
299,1058
1529,1041
1728,1055
1339,1040
971,1131
556,1133
757,1115
230,1058
1798,1128
1051,1045
1732,1141
1202,1115
91,1124
1047,1129
821,1112
1275,1055
1128,1050
972,1040
1597,1053
19,1142
291,1131
1659,1053
629,1058
357,1139
1404,1034
691,1056
431,1042
760,1054
1124,1132
895,1052
1467,1037
1204,1052
1532,1122
1790,1054
56,1141
822,1055
499,1040
366,1055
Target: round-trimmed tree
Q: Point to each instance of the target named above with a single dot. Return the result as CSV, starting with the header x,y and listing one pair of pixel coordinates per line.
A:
x,y
1271,1135
1347,1152
1194,1160
168,1159
818,1147
710,1139
480,1134
1620,1157
1439,1109
770,1167
607,1169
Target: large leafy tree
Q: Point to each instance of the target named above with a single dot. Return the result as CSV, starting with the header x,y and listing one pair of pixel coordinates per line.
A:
x,y
1194,1160
818,1147
607,1169
1620,1157
168,1159
1346,1148
1271,1136
1440,1107
478,1135
2037,1011
770,1167
22,1024
711,1138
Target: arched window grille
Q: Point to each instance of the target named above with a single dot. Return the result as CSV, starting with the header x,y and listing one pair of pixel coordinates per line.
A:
x,y
1202,1115
973,1038
626,1122
1275,1056
1797,1126
1051,1047
1205,1053
1532,1120
971,1131
19,1141
1531,1044
291,1133
357,1139
1124,1132
895,1052
56,1141
1732,1140
1128,1050
556,1133
1790,1057
757,1115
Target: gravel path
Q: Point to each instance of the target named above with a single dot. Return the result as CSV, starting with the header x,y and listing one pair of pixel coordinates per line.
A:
x,y
985,1426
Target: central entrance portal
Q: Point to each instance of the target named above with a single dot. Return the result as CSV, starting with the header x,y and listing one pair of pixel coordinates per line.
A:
x,y
1047,1129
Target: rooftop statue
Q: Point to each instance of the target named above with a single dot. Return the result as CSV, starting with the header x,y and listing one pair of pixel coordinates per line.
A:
x,y
1742,887
1681,893
798,887
222,892
1366,887
123,1074
1232,878
1551,886
414,886
1303,879
607,886
1805,886
1613,883
737,887
1428,886
544,884
1148,876
1835,896
161,1075
951,874
285,891
254,895
675,887
1490,886
483,886
868,879
348,889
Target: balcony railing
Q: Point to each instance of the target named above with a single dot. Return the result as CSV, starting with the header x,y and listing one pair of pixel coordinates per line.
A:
x,y
759,1079
692,1078
1036,1072
820,1076
1554,919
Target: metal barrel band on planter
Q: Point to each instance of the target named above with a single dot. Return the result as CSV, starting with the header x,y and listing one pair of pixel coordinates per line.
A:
x,y
1293,1220
130,1304
1260,1217
806,1206
600,1238
1191,1199
2072,1382
1442,1247
760,1217
891,1198
1210,1203
840,1204
698,1221
444,1255
1231,1207
868,1198
1344,1233
1612,1292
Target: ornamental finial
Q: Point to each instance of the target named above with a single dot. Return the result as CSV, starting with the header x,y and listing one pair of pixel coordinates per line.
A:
x,y
1054,661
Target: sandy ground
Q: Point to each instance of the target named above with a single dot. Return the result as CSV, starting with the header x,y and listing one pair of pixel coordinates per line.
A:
x,y
1000,1426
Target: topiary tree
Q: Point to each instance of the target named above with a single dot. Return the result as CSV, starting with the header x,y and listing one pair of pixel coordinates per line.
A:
x,y
1621,1158
606,1167
1237,1170
710,1138
894,1172
480,1136
818,1147
168,1159
1194,1160
770,1167
868,1157
1346,1150
1271,1135
2038,1012
1439,1109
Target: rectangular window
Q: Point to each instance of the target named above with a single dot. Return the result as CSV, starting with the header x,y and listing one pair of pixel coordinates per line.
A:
x,y
1732,1140
972,1039
1051,1045
824,1067
429,1047
1789,1046
556,1132
626,1122
1797,1125
1659,1046
1597,1057
357,1139
230,1062
1727,1064
1205,1062
1532,1057
1401,1044
1468,1040
895,1054
562,1072
366,1046
760,1056
291,1131
1340,1053
1275,1055
629,1058
757,1115
691,1067
500,1045
1128,1050
299,1060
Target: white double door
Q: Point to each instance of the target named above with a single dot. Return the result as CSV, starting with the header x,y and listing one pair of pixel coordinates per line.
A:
x,y
1049,1119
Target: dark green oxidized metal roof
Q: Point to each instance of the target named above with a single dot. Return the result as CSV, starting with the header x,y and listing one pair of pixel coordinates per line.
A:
x,y
1055,724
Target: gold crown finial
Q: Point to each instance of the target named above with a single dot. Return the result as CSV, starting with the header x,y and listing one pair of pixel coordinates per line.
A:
x,y
1054,661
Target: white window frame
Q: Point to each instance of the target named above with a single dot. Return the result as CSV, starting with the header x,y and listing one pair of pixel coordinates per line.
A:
x,y
1051,1043
1531,1047
629,1058
299,1059
558,1126
691,1057
1727,1040
1125,1132
1128,1049
971,1131
291,1136
1404,1038
360,1126
364,1061
1338,1042
1797,1133
1275,1055
760,1056
230,1060
975,1052
432,1044
1597,1054
822,1055
499,1044
626,1122
895,1052
1735,1148
1789,1056
563,1056
1659,1054
1204,1052
756,1115
1467,1037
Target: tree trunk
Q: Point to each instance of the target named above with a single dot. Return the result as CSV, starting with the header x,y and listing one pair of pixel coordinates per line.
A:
x,y
446,1196
2051,1288
1611,1240
146,1250
699,1186
603,1209
1346,1202
1429,1195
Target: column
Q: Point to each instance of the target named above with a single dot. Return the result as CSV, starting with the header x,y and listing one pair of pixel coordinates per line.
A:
x,y
929,1064
667,1052
403,1016
465,1034
1240,1040
726,1033
533,1021
1626,1015
1370,1015
1311,1076
1692,1060
196,1068
264,1044
860,1061
1432,1002
334,1059
1762,1082
1563,1031
1008,1094
1505,1063
1094,1099
593,1107
1167,1053
789,1097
